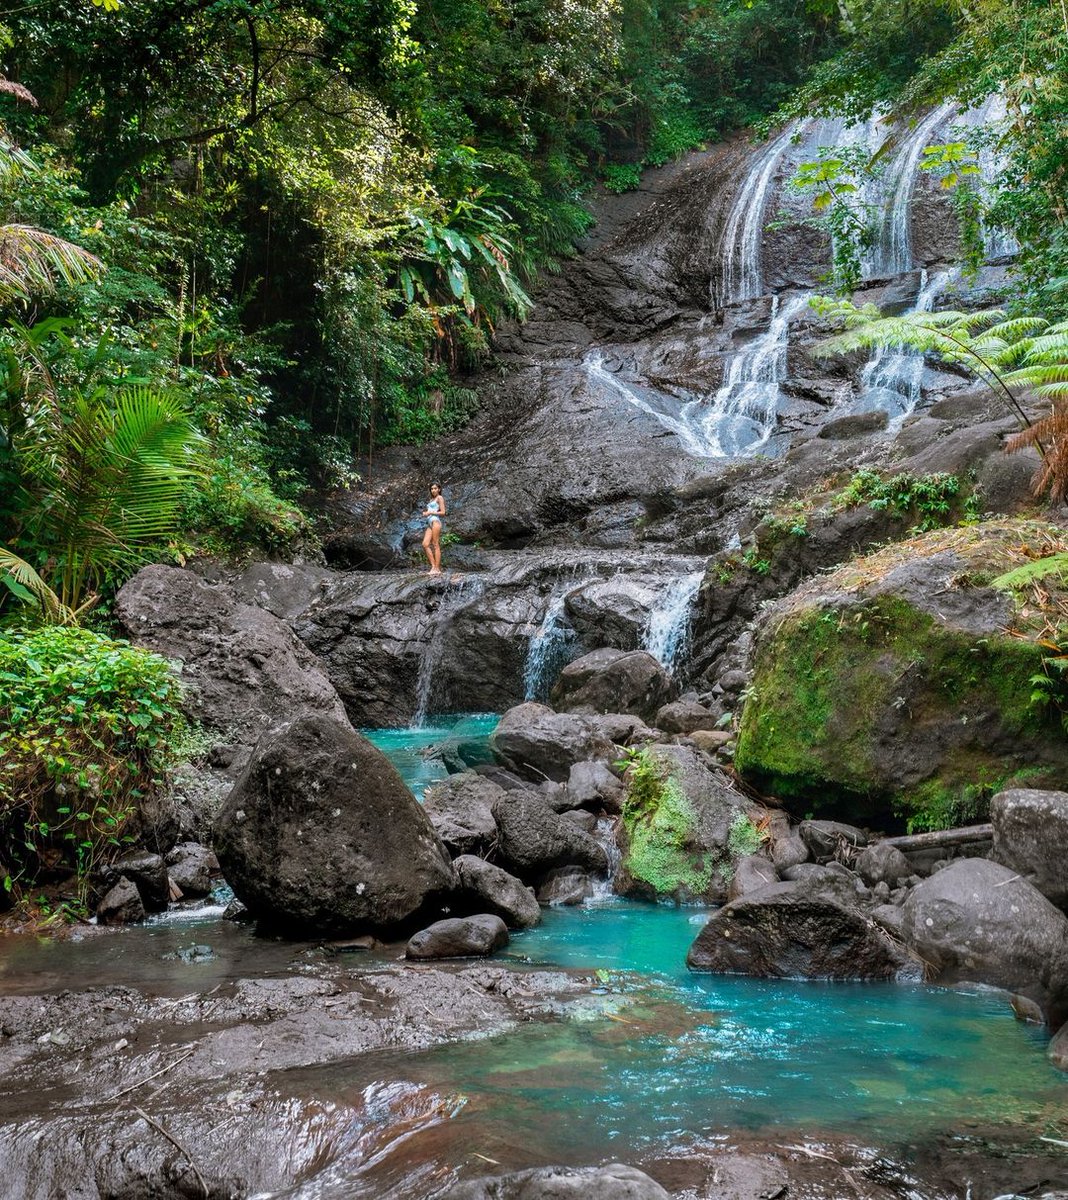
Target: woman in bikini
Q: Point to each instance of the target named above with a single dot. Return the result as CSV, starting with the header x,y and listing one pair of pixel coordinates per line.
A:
x,y
435,517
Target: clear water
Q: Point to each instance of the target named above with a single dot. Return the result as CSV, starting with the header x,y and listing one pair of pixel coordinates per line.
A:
x,y
415,752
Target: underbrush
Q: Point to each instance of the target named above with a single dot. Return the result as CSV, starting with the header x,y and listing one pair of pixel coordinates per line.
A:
x,y
87,726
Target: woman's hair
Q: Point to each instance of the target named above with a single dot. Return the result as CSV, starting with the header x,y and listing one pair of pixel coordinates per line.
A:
x,y
435,485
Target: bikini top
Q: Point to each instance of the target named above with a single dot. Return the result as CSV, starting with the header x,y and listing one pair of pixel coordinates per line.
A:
x,y
433,506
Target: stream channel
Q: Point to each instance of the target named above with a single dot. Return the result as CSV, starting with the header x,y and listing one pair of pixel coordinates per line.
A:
x,y
653,1059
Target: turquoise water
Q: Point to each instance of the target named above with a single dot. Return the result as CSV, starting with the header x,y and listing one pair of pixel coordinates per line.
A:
x,y
659,1054
412,751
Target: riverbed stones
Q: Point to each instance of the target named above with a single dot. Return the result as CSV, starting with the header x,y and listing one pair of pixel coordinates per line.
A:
x,y
461,810
610,681
612,1182
810,929
242,667
537,743
751,873
686,717
493,890
459,937
1031,837
121,905
148,873
880,863
320,834
532,839
980,921
593,785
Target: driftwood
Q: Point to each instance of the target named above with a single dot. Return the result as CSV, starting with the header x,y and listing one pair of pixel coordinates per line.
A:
x,y
941,837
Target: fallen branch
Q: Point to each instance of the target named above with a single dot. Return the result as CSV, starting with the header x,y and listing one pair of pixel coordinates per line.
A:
x,y
941,837
155,1075
177,1145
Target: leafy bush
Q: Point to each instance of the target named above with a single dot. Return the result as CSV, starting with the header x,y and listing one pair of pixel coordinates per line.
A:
x,y
86,724
744,837
622,177
931,499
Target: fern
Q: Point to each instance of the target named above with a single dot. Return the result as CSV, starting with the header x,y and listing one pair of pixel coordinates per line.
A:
x,y
1032,572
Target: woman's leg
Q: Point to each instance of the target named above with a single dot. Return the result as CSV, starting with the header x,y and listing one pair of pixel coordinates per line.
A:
x,y
435,546
428,539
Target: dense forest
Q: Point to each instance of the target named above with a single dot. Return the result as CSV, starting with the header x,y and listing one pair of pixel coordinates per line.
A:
x,y
243,244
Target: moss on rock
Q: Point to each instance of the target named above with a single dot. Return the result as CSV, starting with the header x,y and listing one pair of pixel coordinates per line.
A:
x,y
902,681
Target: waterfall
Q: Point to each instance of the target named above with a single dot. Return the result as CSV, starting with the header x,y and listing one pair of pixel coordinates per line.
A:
x,y
604,887
743,413
549,645
689,436
893,378
668,628
451,603
740,246
892,253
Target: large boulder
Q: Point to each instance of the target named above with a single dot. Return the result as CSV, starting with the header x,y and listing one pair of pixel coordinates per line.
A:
x,y
978,920
190,867
537,743
459,937
685,717
121,904
612,1182
533,839
320,834
613,681
242,667
808,929
895,681
676,833
461,810
491,889
1031,837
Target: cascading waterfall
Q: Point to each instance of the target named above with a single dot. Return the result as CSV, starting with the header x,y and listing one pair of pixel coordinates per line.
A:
x,y
550,643
459,594
668,628
604,886
893,379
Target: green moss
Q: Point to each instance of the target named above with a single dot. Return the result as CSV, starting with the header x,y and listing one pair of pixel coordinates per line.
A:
x,y
660,824
827,679
962,799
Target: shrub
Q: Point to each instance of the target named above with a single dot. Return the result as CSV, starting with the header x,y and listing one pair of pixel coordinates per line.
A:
x,y
86,726
622,177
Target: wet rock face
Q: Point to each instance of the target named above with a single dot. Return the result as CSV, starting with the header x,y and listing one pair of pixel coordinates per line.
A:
x,y
809,929
1031,837
614,681
977,920
320,834
242,668
489,888
613,1182
894,676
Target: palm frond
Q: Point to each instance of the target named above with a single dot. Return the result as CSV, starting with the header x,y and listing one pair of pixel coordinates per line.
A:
x,y
24,583
32,261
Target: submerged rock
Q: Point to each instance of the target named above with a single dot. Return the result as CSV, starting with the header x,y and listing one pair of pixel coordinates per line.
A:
x,y
808,929
459,937
537,743
613,1182
1031,836
613,681
320,834
897,679
979,921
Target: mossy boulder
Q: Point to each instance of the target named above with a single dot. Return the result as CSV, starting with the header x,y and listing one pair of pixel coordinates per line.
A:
x,y
903,681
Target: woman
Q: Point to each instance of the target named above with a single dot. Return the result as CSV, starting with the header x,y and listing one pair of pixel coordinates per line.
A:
x,y
435,515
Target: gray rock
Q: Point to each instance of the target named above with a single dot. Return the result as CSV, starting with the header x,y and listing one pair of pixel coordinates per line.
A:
x,y
285,589
242,667
890,918
711,741
800,930
121,905
613,1182
826,839
191,867
533,839
320,834
1058,1049
623,729
854,425
461,810
785,844
613,681
148,873
977,920
565,886
459,937
536,743
593,785
495,891
685,717
582,818
1031,837
880,863
751,873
